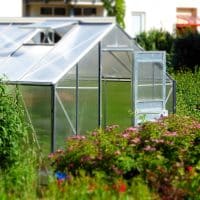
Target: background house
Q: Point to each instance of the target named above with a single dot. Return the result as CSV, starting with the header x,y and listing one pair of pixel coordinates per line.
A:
x,y
140,15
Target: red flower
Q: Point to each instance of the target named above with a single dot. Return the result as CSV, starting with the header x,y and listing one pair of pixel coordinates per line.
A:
x,y
122,187
189,168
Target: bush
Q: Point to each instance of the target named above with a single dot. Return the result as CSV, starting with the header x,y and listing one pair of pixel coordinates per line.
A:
x,y
188,93
13,131
18,158
165,153
186,52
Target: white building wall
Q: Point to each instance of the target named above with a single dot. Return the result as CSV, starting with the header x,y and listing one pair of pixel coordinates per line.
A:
x,y
157,13
11,8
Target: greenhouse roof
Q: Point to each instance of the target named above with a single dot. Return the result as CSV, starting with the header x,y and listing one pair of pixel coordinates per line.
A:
x,y
25,59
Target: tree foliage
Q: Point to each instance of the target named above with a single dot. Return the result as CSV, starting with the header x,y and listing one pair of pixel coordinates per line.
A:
x,y
116,8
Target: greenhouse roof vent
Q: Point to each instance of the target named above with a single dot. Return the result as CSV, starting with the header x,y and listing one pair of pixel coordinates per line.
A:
x,y
48,32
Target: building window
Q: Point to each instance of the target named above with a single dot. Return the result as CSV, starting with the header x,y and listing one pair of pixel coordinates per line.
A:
x,y
137,24
77,11
46,11
89,11
83,11
59,11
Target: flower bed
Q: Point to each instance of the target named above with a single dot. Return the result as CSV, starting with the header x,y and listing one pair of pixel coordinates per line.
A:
x,y
164,154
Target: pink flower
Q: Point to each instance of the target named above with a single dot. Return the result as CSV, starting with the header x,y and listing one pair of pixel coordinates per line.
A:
x,y
136,140
117,170
170,134
117,152
157,141
78,137
131,129
59,151
149,148
94,133
51,155
111,128
198,126
125,135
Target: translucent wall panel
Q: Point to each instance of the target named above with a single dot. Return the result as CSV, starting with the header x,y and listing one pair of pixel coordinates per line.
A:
x,y
66,107
150,82
88,69
63,126
117,38
37,101
116,64
117,103
169,95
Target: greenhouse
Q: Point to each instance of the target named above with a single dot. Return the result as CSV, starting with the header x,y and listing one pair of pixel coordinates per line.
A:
x,y
75,76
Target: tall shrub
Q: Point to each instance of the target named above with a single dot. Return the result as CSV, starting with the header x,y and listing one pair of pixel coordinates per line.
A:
x,y
157,40
187,51
12,128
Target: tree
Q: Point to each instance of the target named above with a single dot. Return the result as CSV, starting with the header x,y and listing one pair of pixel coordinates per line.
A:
x,y
116,8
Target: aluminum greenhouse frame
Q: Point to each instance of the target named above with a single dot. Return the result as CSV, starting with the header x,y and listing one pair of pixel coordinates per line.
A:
x,y
75,76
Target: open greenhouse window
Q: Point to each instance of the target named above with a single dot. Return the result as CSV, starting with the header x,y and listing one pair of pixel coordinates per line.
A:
x,y
44,37
48,33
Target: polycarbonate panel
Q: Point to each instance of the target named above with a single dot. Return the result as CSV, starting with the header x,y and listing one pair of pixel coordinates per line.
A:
x,y
63,127
22,61
169,94
11,38
150,73
150,80
63,30
116,64
4,27
67,52
49,24
87,110
37,101
117,39
88,69
66,107
116,103
88,65
150,56
145,106
150,91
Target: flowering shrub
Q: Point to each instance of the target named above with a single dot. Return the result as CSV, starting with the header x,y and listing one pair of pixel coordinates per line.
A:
x,y
165,153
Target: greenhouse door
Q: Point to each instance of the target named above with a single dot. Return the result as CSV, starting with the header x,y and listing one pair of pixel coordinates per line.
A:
x,y
149,86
